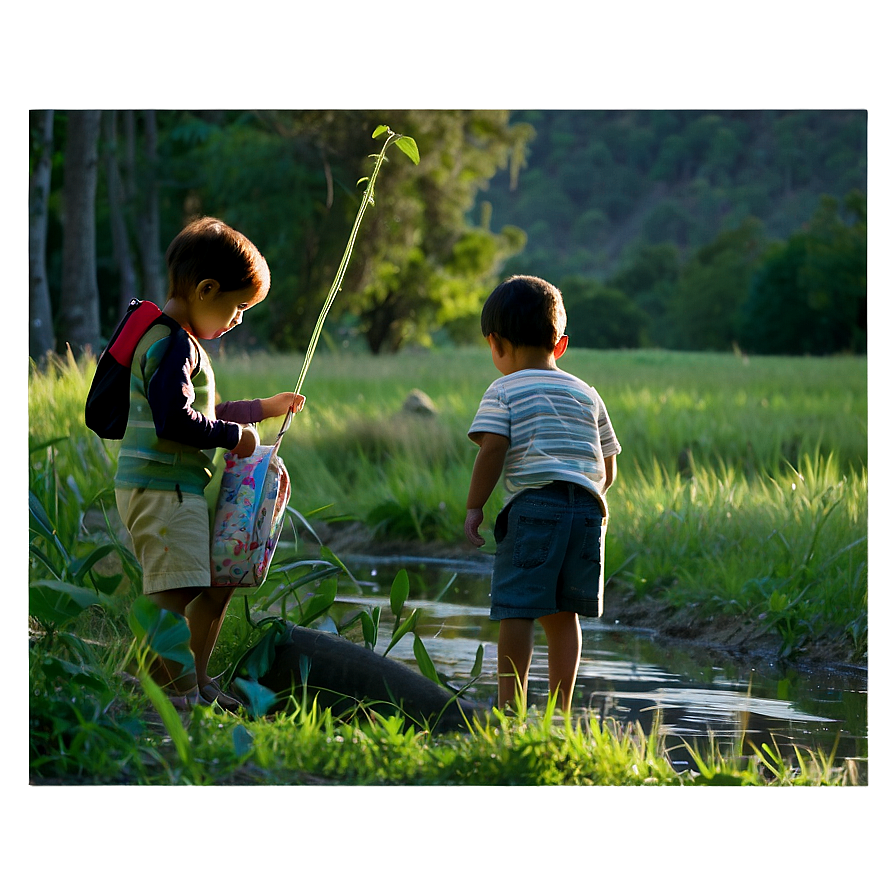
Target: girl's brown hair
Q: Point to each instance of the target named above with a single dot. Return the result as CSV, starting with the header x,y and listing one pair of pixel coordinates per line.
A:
x,y
208,249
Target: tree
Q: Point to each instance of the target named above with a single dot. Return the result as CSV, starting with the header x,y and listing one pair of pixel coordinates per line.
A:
x,y
705,307
79,316
144,193
649,278
289,180
810,292
41,339
600,316
121,248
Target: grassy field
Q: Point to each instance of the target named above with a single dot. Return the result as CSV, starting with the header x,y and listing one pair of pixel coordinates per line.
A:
x,y
742,486
742,496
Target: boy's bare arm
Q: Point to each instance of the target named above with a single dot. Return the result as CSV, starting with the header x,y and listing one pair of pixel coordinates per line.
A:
x,y
610,466
487,470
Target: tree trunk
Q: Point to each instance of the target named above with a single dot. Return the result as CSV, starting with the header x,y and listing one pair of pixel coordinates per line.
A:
x,y
127,284
41,339
79,315
148,231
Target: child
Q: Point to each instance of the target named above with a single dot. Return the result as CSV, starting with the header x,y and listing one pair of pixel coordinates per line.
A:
x,y
215,275
550,434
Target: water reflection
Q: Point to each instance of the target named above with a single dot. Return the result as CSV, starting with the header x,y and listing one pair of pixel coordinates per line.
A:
x,y
684,692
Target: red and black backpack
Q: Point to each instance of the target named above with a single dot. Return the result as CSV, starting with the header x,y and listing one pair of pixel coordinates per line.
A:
x,y
109,398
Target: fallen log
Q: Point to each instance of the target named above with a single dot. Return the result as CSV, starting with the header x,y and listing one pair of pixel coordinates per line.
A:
x,y
341,674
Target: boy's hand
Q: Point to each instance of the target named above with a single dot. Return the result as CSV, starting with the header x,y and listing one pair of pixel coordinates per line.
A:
x,y
248,442
471,527
278,405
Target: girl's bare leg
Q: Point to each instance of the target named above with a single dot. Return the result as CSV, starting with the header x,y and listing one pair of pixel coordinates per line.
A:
x,y
564,637
205,615
515,643
164,672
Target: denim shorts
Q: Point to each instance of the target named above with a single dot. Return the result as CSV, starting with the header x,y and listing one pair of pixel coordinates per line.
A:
x,y
549,556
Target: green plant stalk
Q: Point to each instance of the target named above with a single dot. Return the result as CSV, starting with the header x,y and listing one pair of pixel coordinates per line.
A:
x,y
391,138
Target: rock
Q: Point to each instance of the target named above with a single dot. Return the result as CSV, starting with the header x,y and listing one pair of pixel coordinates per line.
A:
x,y
418,402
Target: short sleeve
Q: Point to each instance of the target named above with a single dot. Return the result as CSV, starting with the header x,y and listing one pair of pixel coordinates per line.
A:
x,y
493,414
609,444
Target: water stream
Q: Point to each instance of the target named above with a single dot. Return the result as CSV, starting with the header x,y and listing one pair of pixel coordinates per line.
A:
x,y
687,692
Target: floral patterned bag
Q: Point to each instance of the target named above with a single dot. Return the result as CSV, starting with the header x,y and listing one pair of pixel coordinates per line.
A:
x,y
249,517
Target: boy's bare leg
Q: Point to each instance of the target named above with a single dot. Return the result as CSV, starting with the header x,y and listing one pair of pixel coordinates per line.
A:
x,y
515,643
564,637
205,615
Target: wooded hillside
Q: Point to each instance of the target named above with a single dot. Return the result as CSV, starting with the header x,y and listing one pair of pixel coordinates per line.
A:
x,y
681,229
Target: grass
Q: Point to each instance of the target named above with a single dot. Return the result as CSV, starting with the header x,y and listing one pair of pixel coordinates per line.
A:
x,y
742,494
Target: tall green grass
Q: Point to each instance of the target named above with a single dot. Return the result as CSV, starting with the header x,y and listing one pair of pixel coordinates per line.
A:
x,y
742,485
742,490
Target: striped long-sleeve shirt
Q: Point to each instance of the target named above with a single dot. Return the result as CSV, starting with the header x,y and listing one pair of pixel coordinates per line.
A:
x,y
558,429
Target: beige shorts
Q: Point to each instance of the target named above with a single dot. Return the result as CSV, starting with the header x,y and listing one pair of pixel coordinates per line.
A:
x,y
170,534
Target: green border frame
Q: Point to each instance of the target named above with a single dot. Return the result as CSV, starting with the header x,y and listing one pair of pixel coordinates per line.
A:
x,y
450,54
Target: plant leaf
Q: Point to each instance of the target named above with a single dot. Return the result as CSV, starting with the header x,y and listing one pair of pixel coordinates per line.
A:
x,y
477,663
56,603
79,568
170,718
41,445
44,526
402,630
242,741
164,632
320,602
424,662
409,147
380,130
260,699
259,658
399,593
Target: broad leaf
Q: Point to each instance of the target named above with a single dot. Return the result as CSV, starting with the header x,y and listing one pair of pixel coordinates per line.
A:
x,y
260,658
402,630
164,632
79,568
477,663
41,519
259,698
399,593
409,147
56,603
369,629
242,741
424,662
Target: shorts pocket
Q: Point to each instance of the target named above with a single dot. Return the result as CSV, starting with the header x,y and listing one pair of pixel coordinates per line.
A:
x,y
592,539
534,537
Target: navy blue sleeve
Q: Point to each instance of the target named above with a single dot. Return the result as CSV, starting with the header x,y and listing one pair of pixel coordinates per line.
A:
x,y
171,396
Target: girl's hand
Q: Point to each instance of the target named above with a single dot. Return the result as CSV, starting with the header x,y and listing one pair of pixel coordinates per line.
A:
x,y
278,405
248,442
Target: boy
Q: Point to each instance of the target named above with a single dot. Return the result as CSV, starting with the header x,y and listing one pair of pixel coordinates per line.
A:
x,y
165,463
550,434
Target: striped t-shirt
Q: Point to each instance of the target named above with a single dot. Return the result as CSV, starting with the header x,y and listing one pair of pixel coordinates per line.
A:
x,y
558,428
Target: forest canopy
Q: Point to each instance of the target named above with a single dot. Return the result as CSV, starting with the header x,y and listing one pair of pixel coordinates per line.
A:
x,y
681,229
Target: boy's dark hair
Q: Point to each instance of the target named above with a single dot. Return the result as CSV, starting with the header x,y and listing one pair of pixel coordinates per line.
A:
x,y
525,311
208,249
